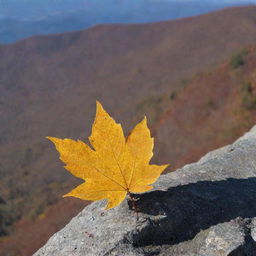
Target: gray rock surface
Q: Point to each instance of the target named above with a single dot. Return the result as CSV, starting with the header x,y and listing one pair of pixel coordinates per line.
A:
x,y
206,208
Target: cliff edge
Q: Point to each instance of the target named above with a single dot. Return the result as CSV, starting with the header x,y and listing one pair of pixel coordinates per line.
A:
x,y
206,208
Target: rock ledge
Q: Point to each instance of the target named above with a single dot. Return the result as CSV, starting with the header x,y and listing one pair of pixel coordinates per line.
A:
x,y
206,208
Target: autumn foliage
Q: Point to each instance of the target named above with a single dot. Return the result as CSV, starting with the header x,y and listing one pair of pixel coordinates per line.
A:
x,y
114,166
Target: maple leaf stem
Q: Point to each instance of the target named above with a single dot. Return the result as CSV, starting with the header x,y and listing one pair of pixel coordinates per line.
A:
x,y
134,205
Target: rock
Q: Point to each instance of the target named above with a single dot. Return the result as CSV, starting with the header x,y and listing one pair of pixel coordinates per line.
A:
x,y
206,208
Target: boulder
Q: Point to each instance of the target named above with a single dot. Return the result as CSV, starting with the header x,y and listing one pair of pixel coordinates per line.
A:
x,y
206,208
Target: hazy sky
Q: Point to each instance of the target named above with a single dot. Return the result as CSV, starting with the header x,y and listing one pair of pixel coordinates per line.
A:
x,y
216,1
27,8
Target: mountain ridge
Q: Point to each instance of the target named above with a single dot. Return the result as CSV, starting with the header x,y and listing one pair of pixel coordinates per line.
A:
x,y
117,12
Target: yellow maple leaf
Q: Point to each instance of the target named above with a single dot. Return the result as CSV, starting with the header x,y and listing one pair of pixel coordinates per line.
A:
x,y
114,166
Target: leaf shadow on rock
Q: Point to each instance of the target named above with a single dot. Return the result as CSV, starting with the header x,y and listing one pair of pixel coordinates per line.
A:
x,y
181,212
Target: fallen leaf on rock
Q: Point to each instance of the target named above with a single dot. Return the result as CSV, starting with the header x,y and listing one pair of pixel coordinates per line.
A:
x,y
114,166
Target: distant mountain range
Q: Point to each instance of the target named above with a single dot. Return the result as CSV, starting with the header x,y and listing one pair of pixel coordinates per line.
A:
x,y
23,18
